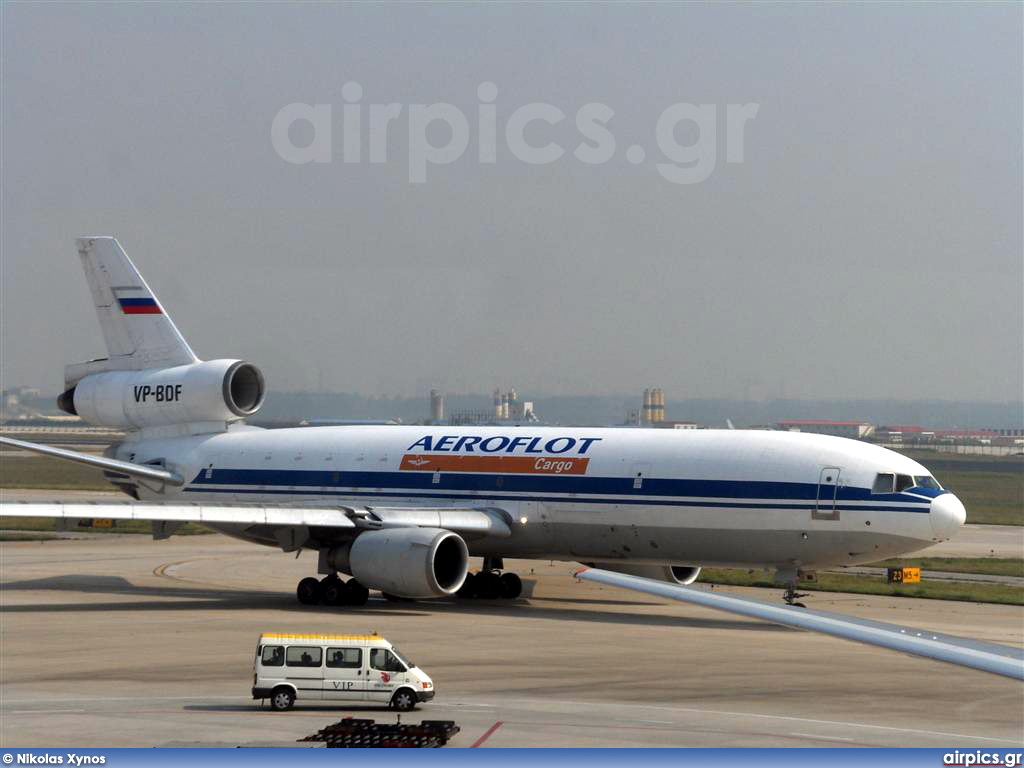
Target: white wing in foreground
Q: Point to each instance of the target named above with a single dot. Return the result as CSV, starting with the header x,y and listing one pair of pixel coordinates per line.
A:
x,y
470,522
988,657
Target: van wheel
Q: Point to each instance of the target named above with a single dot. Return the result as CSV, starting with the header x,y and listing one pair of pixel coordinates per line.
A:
x,y
309,591
404,700
282,699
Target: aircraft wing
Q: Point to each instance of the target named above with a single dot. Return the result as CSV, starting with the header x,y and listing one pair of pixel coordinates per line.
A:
x,y
478,522
988,657
100,462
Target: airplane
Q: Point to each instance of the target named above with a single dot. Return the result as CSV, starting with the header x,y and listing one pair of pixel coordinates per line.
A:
x,y
401,508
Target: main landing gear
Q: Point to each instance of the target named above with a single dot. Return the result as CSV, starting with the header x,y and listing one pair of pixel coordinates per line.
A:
x,y
331,590
490,583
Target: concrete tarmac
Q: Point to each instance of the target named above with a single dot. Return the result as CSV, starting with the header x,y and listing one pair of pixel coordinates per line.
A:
x,y
123,641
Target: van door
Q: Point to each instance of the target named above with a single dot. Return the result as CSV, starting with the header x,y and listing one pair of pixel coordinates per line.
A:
x,y
344,679
304,667
386,673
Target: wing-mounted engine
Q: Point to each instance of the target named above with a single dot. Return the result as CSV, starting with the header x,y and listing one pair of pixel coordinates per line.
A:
x,y
211,391
408,562
673,574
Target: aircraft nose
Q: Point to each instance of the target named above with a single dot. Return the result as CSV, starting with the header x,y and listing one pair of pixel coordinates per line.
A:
x,y
947,514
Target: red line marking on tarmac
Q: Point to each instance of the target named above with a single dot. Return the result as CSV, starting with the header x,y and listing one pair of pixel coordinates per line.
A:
x,y
486,736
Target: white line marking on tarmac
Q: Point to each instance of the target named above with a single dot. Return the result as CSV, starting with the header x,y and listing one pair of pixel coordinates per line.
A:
x,y
784,717
820,738
40,711
131,698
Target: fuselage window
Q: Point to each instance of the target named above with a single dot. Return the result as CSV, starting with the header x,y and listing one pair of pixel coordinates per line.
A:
x,y
883,483
927,481
903,482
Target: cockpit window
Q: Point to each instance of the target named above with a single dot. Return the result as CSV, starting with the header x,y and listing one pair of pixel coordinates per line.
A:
x,y
903,482
927,481
883,482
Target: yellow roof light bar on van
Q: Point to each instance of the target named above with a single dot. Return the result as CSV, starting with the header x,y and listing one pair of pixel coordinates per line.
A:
x,y
288,638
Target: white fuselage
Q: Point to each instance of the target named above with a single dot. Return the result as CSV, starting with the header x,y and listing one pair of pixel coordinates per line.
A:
x,y
693,497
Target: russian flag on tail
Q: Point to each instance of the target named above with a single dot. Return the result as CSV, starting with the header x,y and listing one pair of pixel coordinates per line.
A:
x,y
139,306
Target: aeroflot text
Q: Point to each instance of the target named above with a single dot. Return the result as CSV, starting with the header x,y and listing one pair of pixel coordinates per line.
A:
x,y
503,444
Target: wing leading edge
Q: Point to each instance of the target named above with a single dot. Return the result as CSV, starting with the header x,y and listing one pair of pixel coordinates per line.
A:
x,y
987,657
469,522
100,462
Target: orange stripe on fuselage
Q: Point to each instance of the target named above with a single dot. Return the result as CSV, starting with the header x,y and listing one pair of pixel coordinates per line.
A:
x,y
519,465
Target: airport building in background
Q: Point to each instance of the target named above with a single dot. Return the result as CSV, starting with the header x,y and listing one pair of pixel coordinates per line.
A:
x,y
506,409
652,413
857,430
436,406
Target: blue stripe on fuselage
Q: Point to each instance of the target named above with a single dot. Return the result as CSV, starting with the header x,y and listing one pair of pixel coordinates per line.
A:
x,y
770,495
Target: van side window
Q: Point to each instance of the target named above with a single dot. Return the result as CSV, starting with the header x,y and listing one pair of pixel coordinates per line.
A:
x,y
384,660
344,658
304,656
273,656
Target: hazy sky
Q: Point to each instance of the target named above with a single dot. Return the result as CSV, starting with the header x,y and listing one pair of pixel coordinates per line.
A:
x,y
869,244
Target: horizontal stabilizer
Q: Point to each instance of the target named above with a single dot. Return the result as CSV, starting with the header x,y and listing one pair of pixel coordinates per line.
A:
x,y
987,657
100,462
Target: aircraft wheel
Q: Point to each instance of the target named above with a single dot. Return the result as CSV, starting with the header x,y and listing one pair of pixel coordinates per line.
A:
x,y
356,593
333,590
309,591
468,589
488,585
511,586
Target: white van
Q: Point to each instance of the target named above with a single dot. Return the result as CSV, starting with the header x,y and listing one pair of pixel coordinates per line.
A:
x,y
336,668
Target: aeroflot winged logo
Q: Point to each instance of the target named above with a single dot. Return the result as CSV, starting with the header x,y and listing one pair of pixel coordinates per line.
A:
x,y
500,453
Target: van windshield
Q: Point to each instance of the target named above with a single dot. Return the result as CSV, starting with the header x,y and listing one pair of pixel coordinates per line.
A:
x,y
402,658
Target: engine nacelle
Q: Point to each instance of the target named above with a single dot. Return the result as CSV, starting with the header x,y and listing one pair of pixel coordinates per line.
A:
x,y
408,562
674,574
214,390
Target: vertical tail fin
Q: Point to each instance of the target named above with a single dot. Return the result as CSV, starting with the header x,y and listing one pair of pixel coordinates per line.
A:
x,y
138,333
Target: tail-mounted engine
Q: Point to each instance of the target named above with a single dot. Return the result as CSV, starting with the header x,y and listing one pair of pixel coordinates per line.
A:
x,y
210,391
